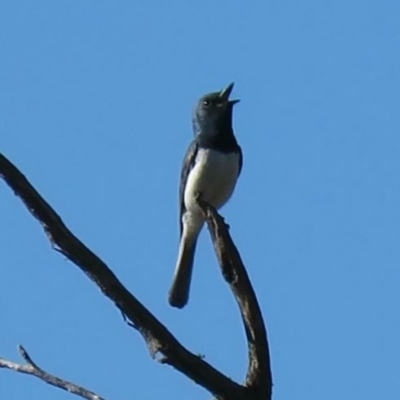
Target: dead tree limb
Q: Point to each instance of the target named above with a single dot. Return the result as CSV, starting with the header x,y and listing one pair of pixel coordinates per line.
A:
x,y
31,368
259,376
159,340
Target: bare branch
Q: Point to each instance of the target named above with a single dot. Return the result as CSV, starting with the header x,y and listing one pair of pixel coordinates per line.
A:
x,y
156,335
31,368
259,375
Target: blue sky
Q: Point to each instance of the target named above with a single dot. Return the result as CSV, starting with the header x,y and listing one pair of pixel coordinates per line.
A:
x,y
95,103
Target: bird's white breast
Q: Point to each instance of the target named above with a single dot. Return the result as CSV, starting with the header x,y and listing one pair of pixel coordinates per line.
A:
x,y
213,176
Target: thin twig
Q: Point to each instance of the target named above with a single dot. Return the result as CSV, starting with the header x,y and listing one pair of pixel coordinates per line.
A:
x,y
31,368
259,376
156,335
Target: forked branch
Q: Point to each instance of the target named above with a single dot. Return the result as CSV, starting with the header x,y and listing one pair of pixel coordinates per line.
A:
x,y
31,368
157,337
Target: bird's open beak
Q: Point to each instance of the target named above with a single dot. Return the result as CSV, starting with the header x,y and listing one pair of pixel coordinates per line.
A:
x,y
224,94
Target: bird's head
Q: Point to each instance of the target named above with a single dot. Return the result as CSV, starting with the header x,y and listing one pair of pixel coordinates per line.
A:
x,y
213,111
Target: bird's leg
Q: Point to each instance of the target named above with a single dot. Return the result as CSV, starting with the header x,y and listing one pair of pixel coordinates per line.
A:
x,y
197,197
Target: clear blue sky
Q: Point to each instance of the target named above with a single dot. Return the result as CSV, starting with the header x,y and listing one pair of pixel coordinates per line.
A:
x,y
95,108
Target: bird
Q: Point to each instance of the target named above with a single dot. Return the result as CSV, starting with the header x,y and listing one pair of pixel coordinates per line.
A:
x,y
210,169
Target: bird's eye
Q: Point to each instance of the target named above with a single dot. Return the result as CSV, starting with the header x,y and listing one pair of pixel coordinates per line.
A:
x,y
206,103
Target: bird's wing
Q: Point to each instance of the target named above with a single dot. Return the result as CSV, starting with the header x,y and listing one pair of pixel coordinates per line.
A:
x,y
240,159
187,165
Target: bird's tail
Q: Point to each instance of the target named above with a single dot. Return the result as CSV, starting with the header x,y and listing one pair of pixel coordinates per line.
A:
x,y
179,291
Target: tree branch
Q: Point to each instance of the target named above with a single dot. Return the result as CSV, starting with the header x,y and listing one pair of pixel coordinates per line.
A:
x,y
155,334
31,368
259,375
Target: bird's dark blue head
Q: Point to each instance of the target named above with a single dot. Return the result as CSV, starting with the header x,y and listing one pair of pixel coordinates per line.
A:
x,y
212,114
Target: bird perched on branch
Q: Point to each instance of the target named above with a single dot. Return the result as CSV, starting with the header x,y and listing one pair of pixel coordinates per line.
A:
x,y
210,170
